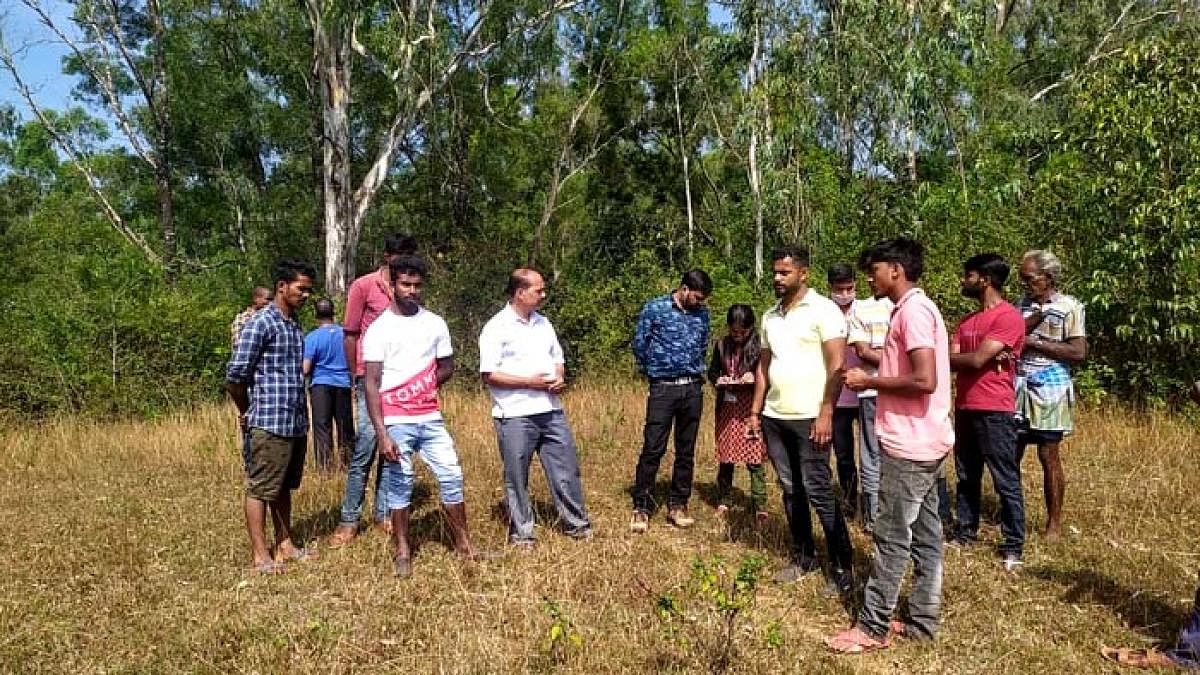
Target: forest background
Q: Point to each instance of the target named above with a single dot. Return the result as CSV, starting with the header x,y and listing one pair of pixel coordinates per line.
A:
x,y
611,143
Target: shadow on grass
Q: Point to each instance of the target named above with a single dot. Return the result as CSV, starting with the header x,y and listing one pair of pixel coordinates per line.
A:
x,y
1137,608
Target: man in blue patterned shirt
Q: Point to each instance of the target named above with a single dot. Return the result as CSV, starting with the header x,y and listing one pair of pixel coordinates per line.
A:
x,y
266,381
670,346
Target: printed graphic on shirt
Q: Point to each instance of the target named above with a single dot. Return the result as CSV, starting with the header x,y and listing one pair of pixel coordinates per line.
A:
x,y
413,397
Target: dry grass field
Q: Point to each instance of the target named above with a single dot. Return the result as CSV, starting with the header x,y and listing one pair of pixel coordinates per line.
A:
x,y
124,551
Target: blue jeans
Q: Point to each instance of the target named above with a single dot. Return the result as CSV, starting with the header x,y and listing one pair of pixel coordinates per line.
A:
x,y
983,437
907,528
359,470
548,435
868,457
433,443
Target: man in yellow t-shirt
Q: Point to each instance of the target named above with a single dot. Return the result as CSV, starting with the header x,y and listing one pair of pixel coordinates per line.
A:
x,y
799,378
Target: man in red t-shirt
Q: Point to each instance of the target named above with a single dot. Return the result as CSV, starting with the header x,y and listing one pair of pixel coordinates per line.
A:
x,y
984,354
370,296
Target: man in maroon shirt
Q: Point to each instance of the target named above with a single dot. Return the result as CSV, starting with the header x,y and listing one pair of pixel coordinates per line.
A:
x,y
983,354
370,295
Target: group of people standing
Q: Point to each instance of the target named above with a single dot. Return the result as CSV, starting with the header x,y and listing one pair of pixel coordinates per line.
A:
x,y
790,389
397,354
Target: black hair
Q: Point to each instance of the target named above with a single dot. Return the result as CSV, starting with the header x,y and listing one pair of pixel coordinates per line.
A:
x,y
323,308
839,274
903,251
989,265
400,243
697,280
519,280
740,316
287,271
408,264
796,252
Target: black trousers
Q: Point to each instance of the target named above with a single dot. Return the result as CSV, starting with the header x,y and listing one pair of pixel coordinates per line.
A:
x,y
680,406
331,405
804,478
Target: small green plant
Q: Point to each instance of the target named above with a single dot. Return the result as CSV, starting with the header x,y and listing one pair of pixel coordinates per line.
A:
x,y
561,638
720,599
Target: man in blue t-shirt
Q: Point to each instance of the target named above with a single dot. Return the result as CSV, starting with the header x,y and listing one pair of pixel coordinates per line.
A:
x,y
329,394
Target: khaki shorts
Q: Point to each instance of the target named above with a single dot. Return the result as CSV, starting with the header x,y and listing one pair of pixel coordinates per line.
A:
x,y
275,464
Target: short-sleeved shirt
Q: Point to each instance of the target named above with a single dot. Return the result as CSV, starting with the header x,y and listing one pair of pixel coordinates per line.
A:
x,y
323,346
869,321
408,347
990,388
795,338
268,358
512,345
915,427
670,341
370,295
1062,319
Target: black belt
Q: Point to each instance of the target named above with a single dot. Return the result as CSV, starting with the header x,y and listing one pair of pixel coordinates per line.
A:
x,y
681,380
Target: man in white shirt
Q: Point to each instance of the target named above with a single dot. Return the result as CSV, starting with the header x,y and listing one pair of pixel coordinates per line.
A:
x,y
522,364
408,356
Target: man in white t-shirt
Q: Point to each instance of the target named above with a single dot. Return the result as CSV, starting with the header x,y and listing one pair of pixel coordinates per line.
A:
x,y
522,364
407,357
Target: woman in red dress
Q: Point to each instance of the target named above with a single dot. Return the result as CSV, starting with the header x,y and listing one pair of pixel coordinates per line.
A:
x,y
732,372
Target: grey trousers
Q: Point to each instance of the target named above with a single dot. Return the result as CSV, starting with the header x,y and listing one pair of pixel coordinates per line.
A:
x,y
906,528
548,435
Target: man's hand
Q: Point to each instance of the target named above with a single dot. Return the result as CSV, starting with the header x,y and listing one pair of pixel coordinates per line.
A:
x,y
747,378
856,379
244,422
822,429
386,446
555,386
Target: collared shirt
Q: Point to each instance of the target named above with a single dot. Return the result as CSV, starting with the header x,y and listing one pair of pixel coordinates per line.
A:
x,y
370,295
239,322
323,346
670,341
869,321
796,337
268,358
1062,319
915,427
511,345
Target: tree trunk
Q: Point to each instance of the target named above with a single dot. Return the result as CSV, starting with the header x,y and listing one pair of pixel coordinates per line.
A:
x,y
684,154
331,44
160,104
316,153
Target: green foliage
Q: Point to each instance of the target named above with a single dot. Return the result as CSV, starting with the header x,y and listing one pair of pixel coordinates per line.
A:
x,y
1064,126
705,624
562,637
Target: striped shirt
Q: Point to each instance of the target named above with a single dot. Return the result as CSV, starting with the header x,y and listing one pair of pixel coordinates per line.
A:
x,y
268,358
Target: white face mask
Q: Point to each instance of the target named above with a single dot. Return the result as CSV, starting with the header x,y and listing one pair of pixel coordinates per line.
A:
x,y
842,299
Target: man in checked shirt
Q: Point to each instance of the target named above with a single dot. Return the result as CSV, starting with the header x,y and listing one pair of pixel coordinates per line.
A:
x,y
266,381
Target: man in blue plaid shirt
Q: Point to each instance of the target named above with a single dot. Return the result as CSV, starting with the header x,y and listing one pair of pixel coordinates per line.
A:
x,y
266,381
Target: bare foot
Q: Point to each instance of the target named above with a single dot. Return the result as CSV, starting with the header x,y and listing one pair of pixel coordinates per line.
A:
x,y
1053,533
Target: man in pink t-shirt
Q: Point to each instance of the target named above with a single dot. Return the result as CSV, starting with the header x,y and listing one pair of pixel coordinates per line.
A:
x,y
370,295
984,355
912,420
